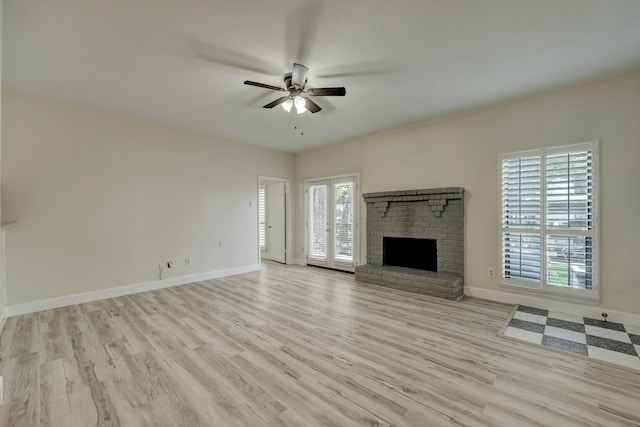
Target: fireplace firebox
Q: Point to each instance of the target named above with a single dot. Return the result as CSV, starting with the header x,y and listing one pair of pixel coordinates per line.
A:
x,y
421,254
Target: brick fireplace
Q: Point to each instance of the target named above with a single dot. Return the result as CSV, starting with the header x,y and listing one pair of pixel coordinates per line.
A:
x,y
415,241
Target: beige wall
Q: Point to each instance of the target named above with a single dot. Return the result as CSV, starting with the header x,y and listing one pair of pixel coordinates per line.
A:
x,y
102,199
463,151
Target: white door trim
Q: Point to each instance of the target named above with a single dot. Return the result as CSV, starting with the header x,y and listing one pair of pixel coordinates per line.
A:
x,y
288,195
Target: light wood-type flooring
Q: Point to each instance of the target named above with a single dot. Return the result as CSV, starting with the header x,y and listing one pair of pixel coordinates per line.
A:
x,y
295,346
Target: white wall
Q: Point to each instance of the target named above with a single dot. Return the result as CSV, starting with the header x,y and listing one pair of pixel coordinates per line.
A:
x,y
462,151
102,199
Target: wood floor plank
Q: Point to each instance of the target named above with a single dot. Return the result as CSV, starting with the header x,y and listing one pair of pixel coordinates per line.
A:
x,y
292,345
25,336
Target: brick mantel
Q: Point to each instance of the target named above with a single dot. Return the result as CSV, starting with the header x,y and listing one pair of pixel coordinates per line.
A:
x,y
436,197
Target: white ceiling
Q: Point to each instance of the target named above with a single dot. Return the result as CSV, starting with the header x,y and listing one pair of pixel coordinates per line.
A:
x,y
183,62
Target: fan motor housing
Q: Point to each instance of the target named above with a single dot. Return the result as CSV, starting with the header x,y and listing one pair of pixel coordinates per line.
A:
x,y
287,81
289,85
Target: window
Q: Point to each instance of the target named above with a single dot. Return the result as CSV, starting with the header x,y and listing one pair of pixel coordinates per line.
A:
x,y
262,219
548,229
317,247
343,213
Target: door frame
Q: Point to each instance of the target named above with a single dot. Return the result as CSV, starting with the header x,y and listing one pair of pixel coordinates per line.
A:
x,y
356,217
288,238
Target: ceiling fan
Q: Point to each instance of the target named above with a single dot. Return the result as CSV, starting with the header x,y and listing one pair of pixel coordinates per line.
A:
x,y
298,96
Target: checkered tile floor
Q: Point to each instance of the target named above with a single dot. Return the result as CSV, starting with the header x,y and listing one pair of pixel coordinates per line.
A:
x,y
608,341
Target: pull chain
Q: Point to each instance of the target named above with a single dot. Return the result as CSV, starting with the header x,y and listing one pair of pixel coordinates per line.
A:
x,y
295,122
302,124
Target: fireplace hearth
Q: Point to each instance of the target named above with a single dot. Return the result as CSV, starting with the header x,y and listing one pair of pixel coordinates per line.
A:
x,y
429,225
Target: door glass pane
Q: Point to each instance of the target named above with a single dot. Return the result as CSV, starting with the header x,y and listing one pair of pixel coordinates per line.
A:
x,y
317,239
343,213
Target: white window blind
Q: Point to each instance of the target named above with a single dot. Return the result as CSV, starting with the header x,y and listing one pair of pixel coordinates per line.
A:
x,y
521,214
569,214
548,228
343,211
569,190
262,217
317,221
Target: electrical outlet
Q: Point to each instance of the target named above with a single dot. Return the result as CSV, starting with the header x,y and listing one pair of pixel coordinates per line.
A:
x,y
491,272
187,261
169,264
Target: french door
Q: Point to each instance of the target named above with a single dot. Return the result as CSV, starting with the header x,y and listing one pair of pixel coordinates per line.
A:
x,y
332,222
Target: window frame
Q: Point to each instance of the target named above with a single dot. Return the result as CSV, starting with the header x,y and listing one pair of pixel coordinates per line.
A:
x,y
332,261
544,231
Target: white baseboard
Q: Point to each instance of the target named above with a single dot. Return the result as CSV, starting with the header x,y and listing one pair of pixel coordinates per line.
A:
x,y
64,301
297,261
546,304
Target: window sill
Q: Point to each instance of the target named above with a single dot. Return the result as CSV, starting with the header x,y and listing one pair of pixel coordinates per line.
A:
x,y
593,299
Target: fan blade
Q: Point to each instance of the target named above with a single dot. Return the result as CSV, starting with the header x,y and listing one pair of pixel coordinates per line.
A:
x,y
276,102
250,83
230,58
245,100
301,30
361,69
312,106
299,76
327,91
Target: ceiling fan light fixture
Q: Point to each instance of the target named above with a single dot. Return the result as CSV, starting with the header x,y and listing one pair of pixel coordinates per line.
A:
x,y
286,105
295,84
300,105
